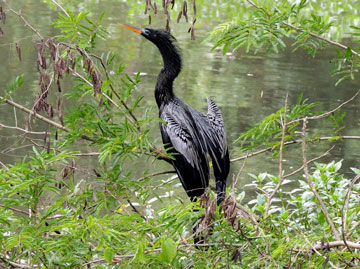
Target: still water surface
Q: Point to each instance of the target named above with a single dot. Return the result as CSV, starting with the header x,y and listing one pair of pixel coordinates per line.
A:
x,y
246,87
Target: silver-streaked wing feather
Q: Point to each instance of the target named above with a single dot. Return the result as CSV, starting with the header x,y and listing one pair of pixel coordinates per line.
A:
x,y
184,136
216,122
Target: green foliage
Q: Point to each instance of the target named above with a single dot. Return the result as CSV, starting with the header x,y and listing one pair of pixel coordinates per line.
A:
x,y
85,34
55,213
270,27
268,133
295,216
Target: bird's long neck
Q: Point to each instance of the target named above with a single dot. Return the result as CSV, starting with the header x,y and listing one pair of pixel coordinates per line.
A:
x,y
172,67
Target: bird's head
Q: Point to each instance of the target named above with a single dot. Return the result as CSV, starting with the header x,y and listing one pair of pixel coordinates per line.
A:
x,y
158,36
166,44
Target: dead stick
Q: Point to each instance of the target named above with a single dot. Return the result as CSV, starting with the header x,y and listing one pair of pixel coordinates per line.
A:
x,y
308,179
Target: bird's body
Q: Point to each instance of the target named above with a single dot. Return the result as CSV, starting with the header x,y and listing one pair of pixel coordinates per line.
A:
x,y
190,135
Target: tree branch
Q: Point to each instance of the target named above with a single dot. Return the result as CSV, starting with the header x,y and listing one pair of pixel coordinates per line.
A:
x,y
53,123
293,142
329,112
337,44
308,179
346,208
281,178
24,20
22,130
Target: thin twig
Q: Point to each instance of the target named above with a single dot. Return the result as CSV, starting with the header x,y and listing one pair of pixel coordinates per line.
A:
x,y
346,208
20,129
62,9
24,20
329,112
113,90
135,210
36,115
293,142
16,265
338,243
308,162
308,179
156,174
281,178
7,168
118,258
15,210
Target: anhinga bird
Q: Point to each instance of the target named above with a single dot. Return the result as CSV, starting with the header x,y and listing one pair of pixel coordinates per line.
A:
x,y
189,134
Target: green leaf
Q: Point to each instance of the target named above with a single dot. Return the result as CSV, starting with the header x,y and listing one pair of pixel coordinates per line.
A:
x,y
140,253
168,250
109,254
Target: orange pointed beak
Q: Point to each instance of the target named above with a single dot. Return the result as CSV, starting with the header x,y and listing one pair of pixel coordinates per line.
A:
x,y
132,28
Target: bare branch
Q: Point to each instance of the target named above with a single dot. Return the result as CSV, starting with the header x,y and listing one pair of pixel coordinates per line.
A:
x,y
329,112
22,130
118,258
15,210
293,142
156,174
23,19
36,115
308,179
62,9
346,208
281,178
309,161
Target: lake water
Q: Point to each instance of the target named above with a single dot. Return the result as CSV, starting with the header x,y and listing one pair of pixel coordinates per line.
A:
x,y
246,87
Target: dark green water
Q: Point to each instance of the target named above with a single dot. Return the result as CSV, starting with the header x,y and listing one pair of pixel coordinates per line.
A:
x,y
247,88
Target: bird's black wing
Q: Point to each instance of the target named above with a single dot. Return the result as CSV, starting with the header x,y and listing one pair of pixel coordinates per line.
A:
x,y
191,164
217,147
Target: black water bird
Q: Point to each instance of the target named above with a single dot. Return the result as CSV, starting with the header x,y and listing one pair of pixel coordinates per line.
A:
x,y
189,134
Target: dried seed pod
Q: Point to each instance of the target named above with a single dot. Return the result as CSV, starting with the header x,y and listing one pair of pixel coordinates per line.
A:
x,y
184,11
1,32
65,173
155,8
72,167
50,111
167,27
67,68
146,6
194,7
237,256
149,19
58,84
58,103
179,17
3,17
58,108
61,119
52,48
45,137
